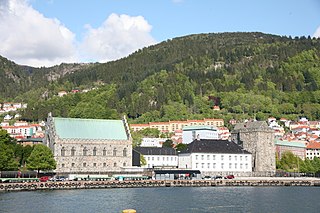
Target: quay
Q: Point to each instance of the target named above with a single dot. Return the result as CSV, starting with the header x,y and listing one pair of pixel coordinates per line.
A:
x,y
259,182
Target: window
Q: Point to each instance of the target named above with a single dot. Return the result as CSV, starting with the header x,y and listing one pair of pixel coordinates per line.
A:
x,y
85,150
124,164
235,158
197,165
240,165
94,152
202,157
104,164
114,164
202,165
63,151
94,164
222,165
62,165
230,165
213,157
115,152
240,158
158,158
152,158
229,157
196,157
72,165
235,165
214,165
104,152
208,157
84,164
222,157
246,158
208,166
124,152
73,151
246,166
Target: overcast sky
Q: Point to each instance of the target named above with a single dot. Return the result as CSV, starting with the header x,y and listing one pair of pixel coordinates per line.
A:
x,y
49,32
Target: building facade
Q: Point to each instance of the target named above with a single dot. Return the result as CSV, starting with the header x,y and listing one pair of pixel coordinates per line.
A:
x,y
191,133
172,126
158,157
297,148
89,145
257,138
214,157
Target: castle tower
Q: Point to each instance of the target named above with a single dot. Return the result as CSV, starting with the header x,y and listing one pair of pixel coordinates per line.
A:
x,y
257,138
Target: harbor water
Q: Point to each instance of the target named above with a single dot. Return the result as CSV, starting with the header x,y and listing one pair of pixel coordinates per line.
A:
x,y
165,200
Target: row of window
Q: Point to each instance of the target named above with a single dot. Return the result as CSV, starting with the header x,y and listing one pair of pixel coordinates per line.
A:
x,y
222,166
311,153
94,152
213,157
93,165
163,158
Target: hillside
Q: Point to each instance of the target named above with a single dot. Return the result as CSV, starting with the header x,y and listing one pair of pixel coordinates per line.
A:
x,y
246,74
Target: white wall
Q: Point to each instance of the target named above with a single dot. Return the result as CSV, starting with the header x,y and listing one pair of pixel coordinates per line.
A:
x,y
161,160
208,162
190,135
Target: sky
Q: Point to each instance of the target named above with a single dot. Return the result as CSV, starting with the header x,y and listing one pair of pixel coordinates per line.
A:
x,y
42,33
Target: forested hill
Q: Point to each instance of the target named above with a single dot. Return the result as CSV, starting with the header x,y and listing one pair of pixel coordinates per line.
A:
x,y
250,74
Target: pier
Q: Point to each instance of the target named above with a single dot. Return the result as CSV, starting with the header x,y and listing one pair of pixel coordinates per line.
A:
x,y
237,182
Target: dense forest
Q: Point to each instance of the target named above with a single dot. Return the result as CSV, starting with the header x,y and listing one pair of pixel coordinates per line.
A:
x,y
248,75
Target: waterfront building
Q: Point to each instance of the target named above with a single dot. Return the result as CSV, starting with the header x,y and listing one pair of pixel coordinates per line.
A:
x,y
214,157
191,133
257,138
89,145
158,157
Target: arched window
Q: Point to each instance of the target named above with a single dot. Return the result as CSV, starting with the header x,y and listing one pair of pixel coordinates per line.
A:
x,y
73,151
63,151
85,150
124,164
104,152
115,152
124,152
94,152
114,164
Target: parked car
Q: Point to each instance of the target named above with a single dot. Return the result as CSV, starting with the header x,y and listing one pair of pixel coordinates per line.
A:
x,y
58,178
230,177
206,178
217,177
44,178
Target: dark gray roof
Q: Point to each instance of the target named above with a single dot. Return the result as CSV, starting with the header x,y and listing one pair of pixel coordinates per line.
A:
x,y
156,150
252,125
214,146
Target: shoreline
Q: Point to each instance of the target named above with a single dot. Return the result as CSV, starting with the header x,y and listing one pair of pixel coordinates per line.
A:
x,y
239,181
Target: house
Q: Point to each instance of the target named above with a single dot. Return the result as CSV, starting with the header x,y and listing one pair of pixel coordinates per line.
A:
x,y
152,142
89,145
158,157
213,157
313,150
190,133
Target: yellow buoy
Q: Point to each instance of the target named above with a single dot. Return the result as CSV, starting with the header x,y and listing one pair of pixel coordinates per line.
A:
x,y
129,211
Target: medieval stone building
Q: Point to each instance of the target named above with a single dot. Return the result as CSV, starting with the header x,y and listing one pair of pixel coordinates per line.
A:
x,y
257,138
89,145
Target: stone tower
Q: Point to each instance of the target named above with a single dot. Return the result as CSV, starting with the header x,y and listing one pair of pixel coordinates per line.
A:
x,y
258,138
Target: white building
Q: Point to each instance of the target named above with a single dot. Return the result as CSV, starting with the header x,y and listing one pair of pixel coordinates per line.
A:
x,y
216,157
153,142
158,157
190,133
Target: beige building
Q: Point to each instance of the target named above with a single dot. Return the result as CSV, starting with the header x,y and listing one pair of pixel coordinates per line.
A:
x,y
172,126
86,146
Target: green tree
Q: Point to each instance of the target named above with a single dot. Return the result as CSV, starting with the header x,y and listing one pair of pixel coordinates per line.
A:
x,y
41,158
181,147
168,143
7,147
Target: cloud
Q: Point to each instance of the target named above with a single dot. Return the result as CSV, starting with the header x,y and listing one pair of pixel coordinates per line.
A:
x,y
27,37
317,33
117,37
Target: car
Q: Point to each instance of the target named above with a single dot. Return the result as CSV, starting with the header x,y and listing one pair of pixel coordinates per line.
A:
x,y
229,176
44,178
58,178
217,177
206,178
